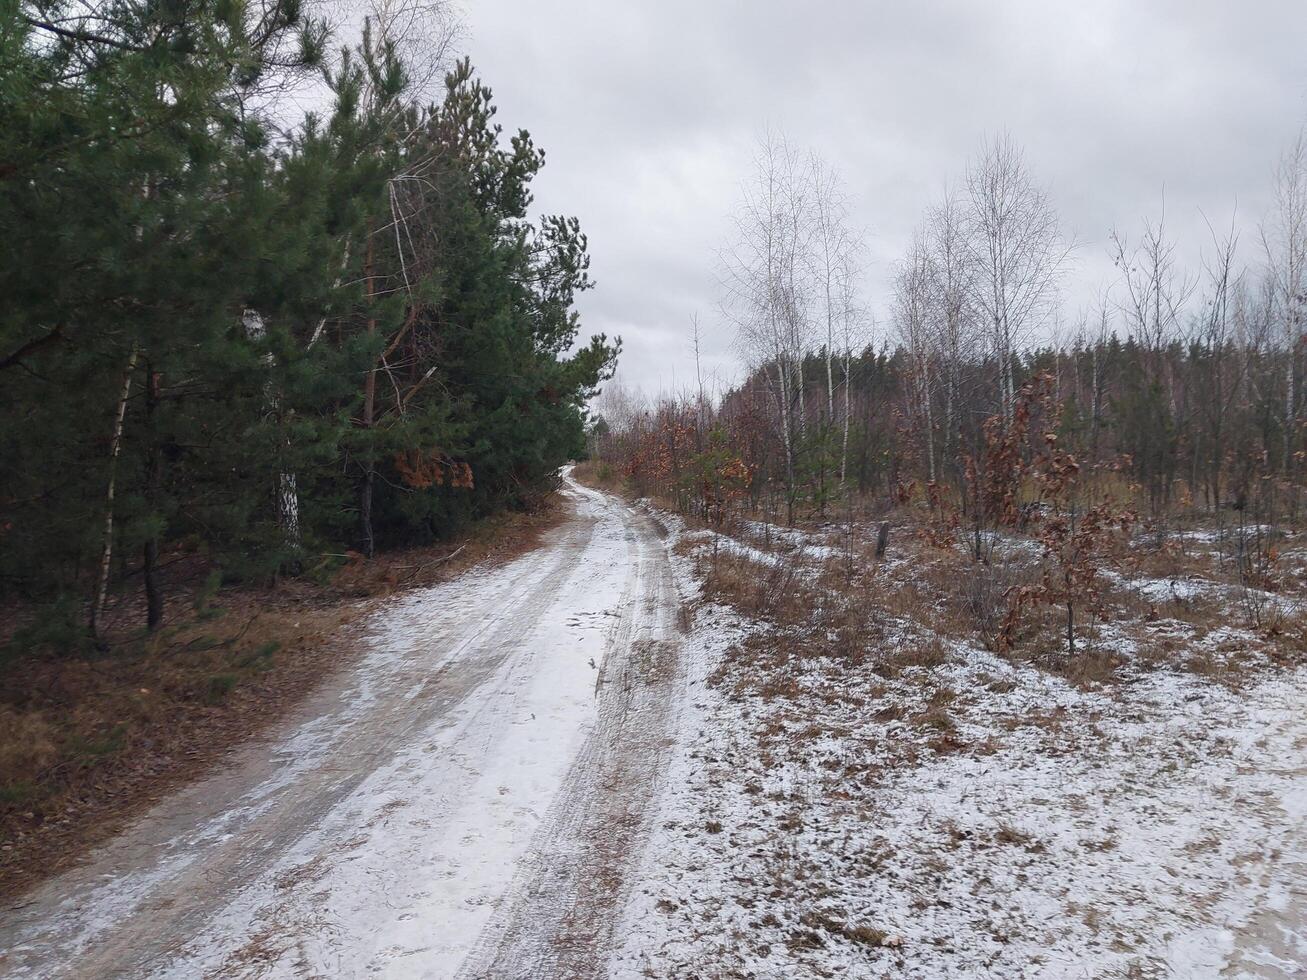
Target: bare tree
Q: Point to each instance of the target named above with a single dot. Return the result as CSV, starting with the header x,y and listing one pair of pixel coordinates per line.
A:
x,y
765,291
424,34
912,321
1098,331
1156,292
1284,239
857,330
1018,251
832,247
1216,331
701,401
835,255
952,274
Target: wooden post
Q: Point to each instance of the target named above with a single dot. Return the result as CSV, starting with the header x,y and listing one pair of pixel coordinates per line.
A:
x,y
882,539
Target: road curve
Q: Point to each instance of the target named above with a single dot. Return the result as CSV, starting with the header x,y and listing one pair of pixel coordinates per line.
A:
x,y
464,802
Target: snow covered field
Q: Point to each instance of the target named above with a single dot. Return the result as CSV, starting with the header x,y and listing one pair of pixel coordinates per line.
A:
x,y
936,810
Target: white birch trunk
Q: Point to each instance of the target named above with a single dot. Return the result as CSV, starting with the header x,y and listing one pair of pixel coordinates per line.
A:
x,y
287,494
106,554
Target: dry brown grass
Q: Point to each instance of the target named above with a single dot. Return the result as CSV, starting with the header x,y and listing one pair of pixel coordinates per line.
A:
x,y
1009,835
773,592
1169,559
843,613
936,717
851,680
27,747
1087,668
922,654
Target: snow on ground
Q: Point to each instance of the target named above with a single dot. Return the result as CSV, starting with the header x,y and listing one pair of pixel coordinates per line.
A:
x,y
710,542
1184,590
762,543
958,815
820,545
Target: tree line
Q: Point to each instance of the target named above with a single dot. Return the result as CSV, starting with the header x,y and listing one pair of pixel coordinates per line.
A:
x,y
1185,385
262,341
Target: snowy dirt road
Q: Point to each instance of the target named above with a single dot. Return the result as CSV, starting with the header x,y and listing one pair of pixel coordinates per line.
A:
x,y
465,802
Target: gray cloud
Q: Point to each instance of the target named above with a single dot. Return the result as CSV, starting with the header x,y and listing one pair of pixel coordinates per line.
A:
x,y
649,111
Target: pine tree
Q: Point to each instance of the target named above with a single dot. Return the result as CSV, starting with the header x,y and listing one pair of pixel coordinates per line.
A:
x,y
263,347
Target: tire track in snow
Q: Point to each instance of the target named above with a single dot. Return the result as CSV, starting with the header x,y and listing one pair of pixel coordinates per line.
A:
x,y
568,896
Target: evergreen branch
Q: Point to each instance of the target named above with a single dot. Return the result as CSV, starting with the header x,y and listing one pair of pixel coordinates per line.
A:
x,y
87,37
32,345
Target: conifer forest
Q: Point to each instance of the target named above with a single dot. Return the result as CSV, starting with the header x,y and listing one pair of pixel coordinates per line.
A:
x,y
262,334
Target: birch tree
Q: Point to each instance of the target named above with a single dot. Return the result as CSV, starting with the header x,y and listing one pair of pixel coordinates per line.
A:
x,y
1018,249
835,254
1156,291
1284,241
912,321
952,281
832,247
1216,330
765,293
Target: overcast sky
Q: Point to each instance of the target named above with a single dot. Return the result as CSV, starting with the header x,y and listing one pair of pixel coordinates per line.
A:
x,y
650,110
